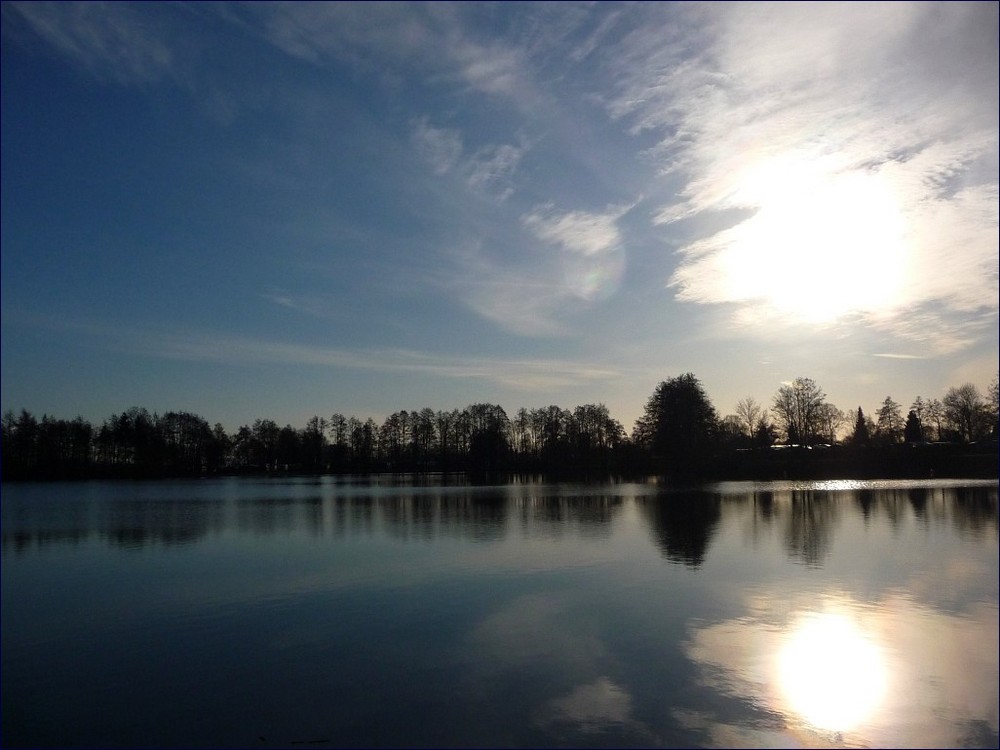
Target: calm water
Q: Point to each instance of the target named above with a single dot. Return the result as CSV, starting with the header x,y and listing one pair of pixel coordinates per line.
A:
x,y
375,612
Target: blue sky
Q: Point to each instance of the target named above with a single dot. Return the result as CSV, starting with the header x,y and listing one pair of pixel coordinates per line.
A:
x,y
280,210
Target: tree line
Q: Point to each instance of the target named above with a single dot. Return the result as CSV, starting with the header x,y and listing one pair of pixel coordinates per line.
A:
x,y
680,433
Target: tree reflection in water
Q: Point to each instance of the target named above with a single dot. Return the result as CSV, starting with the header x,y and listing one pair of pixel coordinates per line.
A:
x,y
683,524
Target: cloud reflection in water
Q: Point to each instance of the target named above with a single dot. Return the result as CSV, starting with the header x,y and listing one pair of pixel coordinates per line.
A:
x,y
830,671
844,672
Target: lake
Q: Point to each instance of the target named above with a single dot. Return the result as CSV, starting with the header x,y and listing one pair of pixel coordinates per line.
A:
x,y
432,611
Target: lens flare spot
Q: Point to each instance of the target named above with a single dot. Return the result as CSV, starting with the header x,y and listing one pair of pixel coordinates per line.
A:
x,y
595,275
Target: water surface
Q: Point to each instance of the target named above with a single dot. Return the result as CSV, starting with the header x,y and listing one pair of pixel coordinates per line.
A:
x,y
398,611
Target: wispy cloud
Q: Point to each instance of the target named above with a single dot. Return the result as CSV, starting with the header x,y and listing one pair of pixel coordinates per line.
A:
x,y
489,168
351,32
577,231
392,38
492,167
515,373
569,260
593,258
873,125
440,147
306,305
524,375
527,300
113,41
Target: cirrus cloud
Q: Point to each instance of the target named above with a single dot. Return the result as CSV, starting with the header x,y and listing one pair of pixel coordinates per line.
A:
x,y
861,139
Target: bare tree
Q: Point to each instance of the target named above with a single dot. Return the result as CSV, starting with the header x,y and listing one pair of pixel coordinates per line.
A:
x,y
934,414
732,431
797,409
993,404
831,418
964,409
749,413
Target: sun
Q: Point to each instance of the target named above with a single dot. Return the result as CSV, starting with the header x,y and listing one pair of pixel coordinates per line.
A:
x,y
830,673
821,245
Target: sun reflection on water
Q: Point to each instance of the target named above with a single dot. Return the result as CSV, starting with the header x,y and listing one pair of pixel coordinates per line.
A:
x,y
830,672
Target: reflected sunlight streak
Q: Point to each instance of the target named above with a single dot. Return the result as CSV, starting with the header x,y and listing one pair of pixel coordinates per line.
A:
x,y
831,673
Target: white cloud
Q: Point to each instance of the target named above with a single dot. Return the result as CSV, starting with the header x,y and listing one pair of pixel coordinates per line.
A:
x,y
577,231
949,659
580,260
593,256
592,708
492,69
862,136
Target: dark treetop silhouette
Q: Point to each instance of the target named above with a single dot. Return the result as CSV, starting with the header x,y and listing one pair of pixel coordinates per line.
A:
x,y
679,435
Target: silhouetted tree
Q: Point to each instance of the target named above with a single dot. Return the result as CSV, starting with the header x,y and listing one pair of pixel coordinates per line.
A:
x,y
678,425
392,436
521,435
186,442
965,411
861,434
340,439
137,443
220,449
23,441
594,436
50,448
830,419
243,448
81,445
552,426
678,432
313,444
264,443
797,407
765,434
423,436
933,414
913,432
288,449
749,413
889,428
731,432
993,405
488,442
444,425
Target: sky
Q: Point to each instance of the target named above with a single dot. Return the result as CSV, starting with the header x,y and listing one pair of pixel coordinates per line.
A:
x,y
281,210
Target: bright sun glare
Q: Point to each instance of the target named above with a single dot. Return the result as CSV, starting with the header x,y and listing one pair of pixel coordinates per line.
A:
x,y
821,245
830,673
